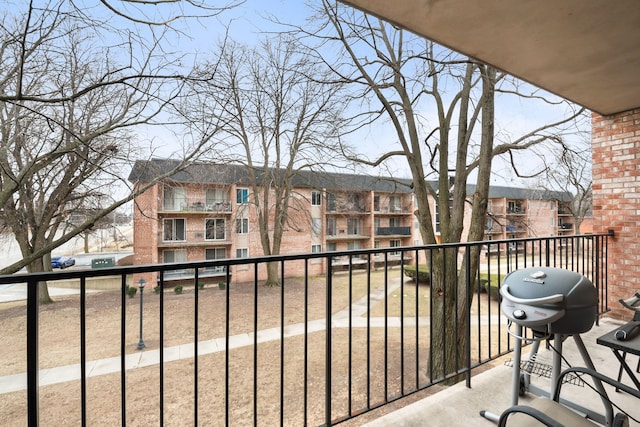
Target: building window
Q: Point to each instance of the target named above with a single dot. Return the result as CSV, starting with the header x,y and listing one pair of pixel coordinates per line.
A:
x,y
215,253
174,255
316,249
316,198
394,204
174,229
395,244
353,201
215,229
331,247
331,202
242,253
216,200
242,225
174,198
353,226
242,195
353,245
376,203
394,222
331,226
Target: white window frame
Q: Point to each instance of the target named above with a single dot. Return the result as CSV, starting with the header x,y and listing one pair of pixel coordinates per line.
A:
x,y
353,226
242,225
178,255
173,198
242,196
242,252
218,253
216,228
174,231
316,198
316,248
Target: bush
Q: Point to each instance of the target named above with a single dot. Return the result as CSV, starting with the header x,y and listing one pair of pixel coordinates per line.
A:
x,y
131,291
201,285
157,289
178,289
222,285
494,289
424,275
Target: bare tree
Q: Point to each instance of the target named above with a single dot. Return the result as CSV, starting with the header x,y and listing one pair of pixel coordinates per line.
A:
x,y
279,119
73,86
570,170
401,78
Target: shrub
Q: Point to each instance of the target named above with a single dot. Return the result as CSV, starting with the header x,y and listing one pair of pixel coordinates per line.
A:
x,y
178,289
222,285
494,289
157,289
201,285
424,275
131,291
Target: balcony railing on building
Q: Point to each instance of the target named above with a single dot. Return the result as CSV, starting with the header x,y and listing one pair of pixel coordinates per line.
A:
x,y
196,205
393,231
315,350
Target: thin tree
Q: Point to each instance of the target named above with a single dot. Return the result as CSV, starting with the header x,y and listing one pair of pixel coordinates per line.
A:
x,y
401,78
279,119
68,104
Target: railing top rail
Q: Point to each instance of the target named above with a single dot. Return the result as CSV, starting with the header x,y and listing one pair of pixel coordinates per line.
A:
x,y
147,268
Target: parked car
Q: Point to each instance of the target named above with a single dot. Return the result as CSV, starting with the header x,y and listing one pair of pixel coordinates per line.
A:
x,y
62,262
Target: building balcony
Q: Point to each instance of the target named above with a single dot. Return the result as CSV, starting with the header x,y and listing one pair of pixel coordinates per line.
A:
x,y
393,231
192,238
235,343
196,205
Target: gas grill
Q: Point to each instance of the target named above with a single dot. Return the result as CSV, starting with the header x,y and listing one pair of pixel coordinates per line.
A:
x,y
550,300
553,303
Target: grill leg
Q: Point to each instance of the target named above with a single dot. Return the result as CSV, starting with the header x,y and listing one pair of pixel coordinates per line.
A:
x,y
517,358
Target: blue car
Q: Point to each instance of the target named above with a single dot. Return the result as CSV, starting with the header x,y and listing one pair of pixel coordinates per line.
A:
x,y
62,262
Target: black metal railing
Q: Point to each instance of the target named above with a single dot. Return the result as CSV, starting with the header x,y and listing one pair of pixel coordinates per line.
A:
x,y
253,354
393,231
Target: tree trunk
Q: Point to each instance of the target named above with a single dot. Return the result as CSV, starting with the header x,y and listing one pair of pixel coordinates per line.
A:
x,y
273,278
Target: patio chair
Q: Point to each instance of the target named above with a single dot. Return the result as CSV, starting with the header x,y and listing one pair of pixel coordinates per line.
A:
x,y
552,412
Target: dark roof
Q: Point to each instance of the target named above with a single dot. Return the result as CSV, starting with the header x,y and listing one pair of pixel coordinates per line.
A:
x,y
146,170
498,192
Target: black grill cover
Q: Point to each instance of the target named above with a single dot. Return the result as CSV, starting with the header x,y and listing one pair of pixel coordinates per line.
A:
x,y
580,296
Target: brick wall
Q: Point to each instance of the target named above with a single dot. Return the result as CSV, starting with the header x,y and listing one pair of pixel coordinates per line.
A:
x,y
616,200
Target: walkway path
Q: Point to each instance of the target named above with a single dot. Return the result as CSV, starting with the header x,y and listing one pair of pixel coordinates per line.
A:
x,y
145,358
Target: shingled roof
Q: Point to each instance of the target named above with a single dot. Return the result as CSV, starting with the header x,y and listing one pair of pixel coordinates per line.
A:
x,y
146,170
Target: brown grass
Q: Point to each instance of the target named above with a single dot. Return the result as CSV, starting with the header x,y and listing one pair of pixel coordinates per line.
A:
x,y
221,373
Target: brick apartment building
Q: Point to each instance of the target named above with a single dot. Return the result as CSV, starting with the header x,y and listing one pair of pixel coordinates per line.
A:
x,y
205,212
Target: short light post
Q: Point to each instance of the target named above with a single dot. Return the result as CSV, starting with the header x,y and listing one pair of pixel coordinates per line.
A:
x,y
141,284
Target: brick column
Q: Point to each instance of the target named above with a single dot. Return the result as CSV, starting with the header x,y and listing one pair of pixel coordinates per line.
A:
x,y
616,200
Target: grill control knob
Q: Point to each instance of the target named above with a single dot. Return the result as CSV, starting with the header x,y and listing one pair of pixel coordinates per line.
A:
x,y
519,314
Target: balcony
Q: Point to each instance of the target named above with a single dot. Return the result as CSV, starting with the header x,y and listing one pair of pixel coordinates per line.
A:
x,y
393,231
251,354
196,205
193,238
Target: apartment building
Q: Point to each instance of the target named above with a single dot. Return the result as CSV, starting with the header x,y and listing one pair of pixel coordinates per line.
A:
x,y
206,212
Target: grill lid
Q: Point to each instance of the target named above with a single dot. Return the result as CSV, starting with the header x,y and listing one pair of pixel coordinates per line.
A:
x,y
562,301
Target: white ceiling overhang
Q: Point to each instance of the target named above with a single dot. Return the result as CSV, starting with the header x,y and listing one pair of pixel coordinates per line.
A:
x,y
587,51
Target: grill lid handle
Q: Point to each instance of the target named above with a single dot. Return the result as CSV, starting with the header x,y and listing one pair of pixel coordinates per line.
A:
x,y
504,291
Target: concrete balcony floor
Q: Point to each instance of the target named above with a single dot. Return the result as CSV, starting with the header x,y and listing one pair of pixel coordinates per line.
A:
x,y
491,389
